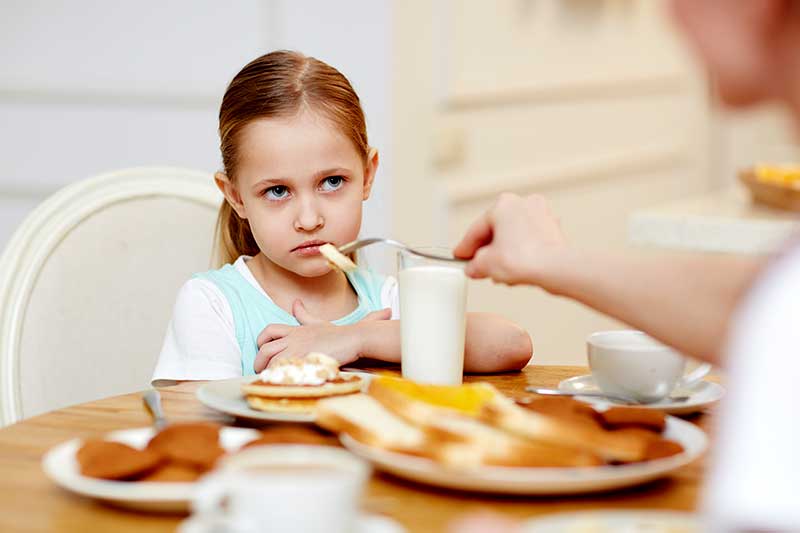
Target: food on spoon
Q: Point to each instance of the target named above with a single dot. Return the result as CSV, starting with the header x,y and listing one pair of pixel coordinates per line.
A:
x,y
336,258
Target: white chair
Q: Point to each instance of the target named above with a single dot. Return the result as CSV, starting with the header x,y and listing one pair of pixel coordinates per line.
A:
x,y
88,281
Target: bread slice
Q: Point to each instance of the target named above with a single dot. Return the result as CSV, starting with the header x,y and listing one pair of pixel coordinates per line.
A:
x,y
503,413
481,444
336,258
345,384
366,420
448,414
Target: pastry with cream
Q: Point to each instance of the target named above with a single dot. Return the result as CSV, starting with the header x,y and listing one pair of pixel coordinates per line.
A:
x,y
294,385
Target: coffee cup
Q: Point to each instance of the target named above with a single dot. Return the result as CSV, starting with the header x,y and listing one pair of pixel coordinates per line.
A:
x,y
284,488
631,364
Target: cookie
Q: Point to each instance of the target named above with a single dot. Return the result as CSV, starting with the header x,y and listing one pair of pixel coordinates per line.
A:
x,y
622,417
172,472
117,461
195,444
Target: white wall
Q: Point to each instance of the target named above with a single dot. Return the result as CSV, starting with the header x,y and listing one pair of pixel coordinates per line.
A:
x,y
88,86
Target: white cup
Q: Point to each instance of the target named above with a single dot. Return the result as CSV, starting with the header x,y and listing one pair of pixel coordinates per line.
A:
x,y
433,301
629,363
283,489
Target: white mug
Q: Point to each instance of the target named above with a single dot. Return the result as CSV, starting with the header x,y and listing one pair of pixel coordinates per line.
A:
x,y
630,363
283,489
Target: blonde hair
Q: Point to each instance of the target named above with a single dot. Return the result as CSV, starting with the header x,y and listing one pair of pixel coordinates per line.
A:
x,y
278,84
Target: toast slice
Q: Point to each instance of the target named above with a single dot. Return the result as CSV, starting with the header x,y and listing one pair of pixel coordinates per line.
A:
x,y
448,414
366,420
502,413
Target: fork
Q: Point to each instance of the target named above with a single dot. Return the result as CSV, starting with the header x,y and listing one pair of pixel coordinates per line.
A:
x,y
152,404
351,247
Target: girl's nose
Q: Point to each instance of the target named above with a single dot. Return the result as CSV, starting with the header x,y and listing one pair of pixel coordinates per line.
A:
x,y
308,218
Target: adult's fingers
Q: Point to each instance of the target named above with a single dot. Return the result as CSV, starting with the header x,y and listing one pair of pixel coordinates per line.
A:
x,y
272,332
479,234
480,265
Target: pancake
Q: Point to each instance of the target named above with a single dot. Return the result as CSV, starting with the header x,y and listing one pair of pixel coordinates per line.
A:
x,y
341,385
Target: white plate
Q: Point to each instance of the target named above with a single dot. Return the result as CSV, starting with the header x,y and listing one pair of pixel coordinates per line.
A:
x,y
365,523
702,395
61,465
226,396
531,480
615,521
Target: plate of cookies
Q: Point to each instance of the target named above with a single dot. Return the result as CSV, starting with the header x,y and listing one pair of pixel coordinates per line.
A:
x,y
287,391
143,468
474,438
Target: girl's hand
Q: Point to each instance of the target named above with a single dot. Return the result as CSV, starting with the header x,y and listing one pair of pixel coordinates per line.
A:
x,y
513,242
313,335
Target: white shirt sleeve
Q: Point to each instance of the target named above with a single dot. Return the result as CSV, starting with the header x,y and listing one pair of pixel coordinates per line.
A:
x,y
200,343
753,480
390,297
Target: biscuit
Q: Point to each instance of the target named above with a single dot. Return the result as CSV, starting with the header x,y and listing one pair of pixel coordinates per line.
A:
x,y
622,417
195,444
172,472
291,434
114,460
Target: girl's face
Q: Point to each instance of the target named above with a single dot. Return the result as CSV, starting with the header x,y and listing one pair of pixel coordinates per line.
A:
x,y
300,183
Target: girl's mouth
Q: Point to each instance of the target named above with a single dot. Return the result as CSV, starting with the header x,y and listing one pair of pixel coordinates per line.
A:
x,y
308,248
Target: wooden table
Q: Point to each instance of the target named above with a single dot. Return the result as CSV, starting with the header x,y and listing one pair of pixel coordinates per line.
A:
x,y
31,502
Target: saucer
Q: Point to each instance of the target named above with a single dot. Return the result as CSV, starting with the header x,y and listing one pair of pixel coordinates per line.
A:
x,y
365,523
701,395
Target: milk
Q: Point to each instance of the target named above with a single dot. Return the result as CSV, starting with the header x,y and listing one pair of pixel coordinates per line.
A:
x,y
433,323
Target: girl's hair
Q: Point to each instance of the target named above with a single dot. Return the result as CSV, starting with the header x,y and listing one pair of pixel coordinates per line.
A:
x,y
278,85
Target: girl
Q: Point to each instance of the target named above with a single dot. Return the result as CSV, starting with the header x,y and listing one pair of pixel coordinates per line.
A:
x,y
297,167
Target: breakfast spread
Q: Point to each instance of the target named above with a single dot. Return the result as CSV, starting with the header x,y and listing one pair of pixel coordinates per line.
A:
x,y
295,385
474,424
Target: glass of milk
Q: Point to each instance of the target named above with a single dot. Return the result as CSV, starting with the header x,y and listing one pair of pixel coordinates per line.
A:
x,y
433,300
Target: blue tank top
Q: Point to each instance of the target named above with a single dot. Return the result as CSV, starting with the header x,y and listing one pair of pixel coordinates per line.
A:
x,y
253,310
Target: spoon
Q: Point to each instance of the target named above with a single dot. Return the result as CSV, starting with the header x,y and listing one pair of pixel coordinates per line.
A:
x,y
358,244
152,404
615,397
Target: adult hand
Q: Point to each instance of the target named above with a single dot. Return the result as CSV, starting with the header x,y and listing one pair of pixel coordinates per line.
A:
x,y
314,334
514,242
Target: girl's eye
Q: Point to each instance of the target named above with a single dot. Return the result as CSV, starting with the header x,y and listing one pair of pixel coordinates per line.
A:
x,y
331,183
277,192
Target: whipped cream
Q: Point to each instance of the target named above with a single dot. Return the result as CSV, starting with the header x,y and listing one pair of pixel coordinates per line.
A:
x,y
313,369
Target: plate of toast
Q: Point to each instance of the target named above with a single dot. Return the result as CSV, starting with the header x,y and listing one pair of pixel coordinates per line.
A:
x,y
288,397
474,438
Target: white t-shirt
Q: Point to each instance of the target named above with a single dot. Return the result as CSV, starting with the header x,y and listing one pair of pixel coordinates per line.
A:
x,y
756,461
200,342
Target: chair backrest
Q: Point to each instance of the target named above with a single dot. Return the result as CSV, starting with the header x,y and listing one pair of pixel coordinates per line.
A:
x,y
88,281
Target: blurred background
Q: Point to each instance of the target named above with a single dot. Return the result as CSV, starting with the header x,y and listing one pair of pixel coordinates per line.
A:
x,y
594,103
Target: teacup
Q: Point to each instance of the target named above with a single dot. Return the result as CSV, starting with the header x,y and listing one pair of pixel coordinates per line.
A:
x,y
284,488
631,364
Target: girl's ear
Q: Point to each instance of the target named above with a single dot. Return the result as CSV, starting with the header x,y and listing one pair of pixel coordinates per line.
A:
x,y
231,193
370,170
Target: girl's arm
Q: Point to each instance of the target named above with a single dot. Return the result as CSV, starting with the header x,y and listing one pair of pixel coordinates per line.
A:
x,y
493,344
